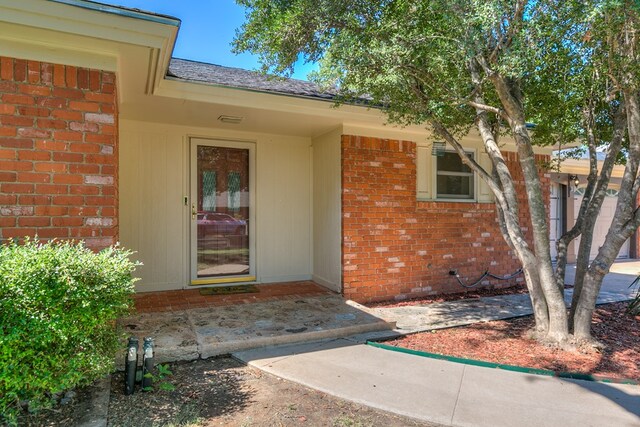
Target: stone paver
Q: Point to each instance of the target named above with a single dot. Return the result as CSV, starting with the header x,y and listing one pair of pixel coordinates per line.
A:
x,y
172,332
97,410
206,332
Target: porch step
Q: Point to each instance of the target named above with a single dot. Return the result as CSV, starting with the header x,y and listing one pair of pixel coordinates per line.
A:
x,y
207,332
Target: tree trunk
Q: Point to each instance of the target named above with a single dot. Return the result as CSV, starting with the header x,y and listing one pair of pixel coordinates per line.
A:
x,y
625,222
582,262
586,304
536,294
508,92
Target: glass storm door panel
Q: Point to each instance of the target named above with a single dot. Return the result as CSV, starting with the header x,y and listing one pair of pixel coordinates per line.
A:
x,y
221,212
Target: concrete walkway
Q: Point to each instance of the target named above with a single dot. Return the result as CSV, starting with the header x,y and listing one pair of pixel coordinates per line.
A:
x,y
449,393
419,318
426,317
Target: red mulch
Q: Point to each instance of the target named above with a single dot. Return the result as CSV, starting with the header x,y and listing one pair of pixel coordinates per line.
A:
x,y
506,342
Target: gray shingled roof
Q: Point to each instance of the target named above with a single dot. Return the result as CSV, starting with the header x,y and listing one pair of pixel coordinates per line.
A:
x,y
238,78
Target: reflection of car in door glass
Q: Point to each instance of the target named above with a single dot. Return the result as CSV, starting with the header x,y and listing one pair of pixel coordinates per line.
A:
x,y
220,224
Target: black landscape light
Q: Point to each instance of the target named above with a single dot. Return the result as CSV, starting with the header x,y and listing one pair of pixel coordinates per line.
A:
x,y
130,366
147,364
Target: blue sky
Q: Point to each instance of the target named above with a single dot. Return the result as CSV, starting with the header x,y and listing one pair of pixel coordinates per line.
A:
x,y
208,27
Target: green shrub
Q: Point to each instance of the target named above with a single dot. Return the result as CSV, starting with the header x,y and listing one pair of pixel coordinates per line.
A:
x,y
58,305
634,304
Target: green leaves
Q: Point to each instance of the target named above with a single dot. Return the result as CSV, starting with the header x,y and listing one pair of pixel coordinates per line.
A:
x,y
634,305
160,377
413,58
163,371
58,306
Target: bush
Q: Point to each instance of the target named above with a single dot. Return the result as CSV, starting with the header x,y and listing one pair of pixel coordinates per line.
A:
x,y
634,304
58,305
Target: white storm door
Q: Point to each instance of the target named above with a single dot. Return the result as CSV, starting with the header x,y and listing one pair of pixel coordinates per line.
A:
x,y
222,217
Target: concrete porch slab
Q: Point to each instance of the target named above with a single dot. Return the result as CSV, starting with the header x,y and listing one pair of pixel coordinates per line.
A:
x,y
205,332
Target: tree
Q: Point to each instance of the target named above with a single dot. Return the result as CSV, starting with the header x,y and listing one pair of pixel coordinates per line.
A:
x,y
613,41
488,65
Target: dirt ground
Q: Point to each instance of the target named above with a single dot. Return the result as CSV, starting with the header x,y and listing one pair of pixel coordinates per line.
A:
x,y
223,392
506,342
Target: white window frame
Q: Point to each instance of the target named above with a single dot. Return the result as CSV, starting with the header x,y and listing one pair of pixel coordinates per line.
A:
x,y
453,197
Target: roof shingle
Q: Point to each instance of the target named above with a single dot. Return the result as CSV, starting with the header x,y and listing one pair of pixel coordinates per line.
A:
x,y
238,78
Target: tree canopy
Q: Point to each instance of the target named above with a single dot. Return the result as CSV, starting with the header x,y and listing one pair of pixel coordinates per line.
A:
x,y
491,66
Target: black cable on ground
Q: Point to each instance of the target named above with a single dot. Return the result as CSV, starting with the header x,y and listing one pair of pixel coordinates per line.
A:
x,y
485,274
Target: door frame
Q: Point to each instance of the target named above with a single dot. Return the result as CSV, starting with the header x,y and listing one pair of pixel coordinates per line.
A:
x,y
193,194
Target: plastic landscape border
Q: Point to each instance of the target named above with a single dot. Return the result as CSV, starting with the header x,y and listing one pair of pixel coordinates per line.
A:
x,y
535,371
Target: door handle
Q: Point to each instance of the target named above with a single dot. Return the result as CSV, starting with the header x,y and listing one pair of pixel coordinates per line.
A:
x,y
193,211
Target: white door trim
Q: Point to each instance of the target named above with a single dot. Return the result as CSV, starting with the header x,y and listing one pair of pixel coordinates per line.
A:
x,y
193,194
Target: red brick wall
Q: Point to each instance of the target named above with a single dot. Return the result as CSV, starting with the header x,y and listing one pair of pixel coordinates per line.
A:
x,y
396,247
58,152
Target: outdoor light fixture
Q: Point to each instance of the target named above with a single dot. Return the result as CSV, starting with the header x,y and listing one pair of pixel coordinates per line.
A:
x,y
438,148
147,364
573,179
130,366
230,119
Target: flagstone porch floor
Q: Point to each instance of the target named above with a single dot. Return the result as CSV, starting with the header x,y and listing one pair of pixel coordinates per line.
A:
x,y
186,325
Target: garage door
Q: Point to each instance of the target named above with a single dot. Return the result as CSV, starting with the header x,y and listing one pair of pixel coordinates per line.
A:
x,y
555,218
602,223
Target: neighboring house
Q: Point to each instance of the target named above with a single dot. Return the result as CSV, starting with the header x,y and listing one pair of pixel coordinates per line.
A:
x,y
567,189
220,175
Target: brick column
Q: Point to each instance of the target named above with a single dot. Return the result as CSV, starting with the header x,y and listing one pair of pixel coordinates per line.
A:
x,y
58,152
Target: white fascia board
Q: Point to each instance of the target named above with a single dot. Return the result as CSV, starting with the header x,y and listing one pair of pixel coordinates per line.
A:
x,y
96,24
54,53
581,167
387,131
87,34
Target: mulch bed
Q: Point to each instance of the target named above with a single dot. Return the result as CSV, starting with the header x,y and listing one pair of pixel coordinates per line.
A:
x,y
506,342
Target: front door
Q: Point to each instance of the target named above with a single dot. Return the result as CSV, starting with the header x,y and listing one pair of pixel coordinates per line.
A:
x,y
222,225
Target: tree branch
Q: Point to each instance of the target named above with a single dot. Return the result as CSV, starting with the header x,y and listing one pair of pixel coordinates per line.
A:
x,y
480,106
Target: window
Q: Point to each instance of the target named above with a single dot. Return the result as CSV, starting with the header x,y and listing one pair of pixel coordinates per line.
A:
x,y
612,192
454,180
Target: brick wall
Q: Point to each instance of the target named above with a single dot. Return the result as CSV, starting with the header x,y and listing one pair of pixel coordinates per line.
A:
x,y
395,247
58,152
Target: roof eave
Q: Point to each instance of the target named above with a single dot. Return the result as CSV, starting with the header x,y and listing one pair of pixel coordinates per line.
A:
x,y
123,11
